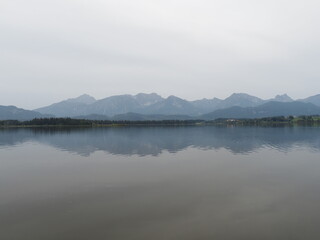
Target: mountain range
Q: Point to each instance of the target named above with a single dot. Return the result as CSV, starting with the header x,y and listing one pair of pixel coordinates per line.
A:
x,y
14,113
154,107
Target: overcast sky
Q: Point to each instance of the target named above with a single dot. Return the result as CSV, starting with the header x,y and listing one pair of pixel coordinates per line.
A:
x,y
52,50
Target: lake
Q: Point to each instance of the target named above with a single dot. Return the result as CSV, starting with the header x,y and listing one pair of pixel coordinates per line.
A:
x,y
160,183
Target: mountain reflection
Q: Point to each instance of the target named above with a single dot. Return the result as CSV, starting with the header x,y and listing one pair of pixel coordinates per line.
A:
x,y
154,140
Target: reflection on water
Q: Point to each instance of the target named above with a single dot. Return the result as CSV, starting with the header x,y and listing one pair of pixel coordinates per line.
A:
x,y
160,183
154,140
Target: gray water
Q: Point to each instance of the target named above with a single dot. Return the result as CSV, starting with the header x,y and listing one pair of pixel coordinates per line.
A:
x,y
160,183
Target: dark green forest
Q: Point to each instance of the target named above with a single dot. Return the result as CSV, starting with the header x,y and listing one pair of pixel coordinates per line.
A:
x,y
91,123
69,122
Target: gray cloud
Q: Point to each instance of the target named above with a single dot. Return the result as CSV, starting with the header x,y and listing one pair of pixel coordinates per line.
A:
x,y
51,50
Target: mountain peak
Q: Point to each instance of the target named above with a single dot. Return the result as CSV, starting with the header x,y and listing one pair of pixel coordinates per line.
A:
x,y
283,98
146,99
241,95
15,113
242,100
84,98
152,103
147,94
312,99
173,97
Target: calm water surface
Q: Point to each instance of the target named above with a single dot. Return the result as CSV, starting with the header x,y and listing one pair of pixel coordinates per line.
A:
x,y
160,183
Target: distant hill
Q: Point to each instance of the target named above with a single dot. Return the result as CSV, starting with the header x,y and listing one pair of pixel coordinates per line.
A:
x,y
145,104
235,100
207,105
154,104
145,99
313,99
14,113
282,98
113,105
110,106
150,117
269,109
121,104
135,117
85,98
172,106
68,108
240,100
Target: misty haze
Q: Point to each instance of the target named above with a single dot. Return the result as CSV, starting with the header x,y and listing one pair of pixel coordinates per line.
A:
x,y
162,120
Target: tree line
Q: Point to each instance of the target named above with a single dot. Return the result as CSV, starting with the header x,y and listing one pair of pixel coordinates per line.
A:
x,y
84,122
281,120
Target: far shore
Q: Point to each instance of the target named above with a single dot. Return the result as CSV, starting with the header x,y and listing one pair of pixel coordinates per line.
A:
x,y
84,123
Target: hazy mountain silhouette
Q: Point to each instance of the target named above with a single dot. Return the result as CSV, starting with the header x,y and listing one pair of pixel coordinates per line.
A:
x,y
145,104
313,99
282,98
14,113
207,105
172,106
149,117
68,108
154,107
269,109
240,100
110,106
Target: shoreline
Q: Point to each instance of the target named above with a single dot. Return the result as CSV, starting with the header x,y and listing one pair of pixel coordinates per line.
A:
x,y
83,123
